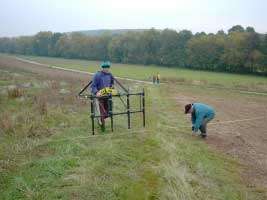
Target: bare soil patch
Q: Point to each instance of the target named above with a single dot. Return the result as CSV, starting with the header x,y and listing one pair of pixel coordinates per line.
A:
x,y
243,136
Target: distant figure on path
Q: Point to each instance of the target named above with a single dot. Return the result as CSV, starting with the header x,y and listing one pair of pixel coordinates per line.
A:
x,y
158,78
201,114
154,79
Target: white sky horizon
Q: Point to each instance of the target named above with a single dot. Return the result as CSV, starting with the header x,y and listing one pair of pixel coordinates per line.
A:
x,y
18,17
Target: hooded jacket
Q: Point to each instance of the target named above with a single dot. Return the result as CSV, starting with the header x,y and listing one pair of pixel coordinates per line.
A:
x,y
200,112
101,80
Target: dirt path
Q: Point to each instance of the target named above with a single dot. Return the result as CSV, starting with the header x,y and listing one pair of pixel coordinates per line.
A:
x,y
77,71
239,130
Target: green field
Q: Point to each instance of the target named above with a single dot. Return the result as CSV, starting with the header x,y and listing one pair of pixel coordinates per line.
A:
x,y
174,75
47,151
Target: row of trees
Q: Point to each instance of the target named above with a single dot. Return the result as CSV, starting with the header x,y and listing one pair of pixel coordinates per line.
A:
x,y
240,50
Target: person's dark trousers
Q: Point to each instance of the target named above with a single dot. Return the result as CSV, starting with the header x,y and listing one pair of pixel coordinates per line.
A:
x,y
203,127
103,107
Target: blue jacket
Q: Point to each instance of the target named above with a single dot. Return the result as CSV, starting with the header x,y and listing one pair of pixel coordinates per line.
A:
x,y
101,80
200,112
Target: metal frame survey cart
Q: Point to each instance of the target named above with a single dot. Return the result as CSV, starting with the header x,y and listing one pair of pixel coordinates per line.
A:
x,y
125,99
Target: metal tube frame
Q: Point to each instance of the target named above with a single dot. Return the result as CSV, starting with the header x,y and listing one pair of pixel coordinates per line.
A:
x,y
111,114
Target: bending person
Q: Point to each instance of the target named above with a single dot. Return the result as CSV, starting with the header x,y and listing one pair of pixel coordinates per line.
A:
x,y
201,114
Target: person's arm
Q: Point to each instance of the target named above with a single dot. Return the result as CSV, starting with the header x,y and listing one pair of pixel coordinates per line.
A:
x,y
198,121
94,84
193,117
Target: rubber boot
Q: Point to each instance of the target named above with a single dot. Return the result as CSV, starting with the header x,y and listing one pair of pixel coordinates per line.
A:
x,y
103,128
203,135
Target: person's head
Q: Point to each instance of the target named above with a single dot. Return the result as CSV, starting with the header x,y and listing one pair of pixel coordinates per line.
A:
x,y
105,66
188,108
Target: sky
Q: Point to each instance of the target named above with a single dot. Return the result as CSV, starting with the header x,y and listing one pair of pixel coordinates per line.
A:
x,y
27,17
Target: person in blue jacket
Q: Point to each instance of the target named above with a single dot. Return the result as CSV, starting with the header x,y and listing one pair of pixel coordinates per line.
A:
x,y
102,79
201,114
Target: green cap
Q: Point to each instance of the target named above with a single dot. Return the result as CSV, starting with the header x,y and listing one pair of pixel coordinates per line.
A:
x,y
105,64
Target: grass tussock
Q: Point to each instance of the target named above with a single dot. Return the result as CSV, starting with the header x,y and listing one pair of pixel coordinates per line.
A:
x,y
6,123
38,129
54,85
41,104
15,92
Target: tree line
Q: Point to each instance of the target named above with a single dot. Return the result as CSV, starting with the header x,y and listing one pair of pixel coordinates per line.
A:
x,y
240,50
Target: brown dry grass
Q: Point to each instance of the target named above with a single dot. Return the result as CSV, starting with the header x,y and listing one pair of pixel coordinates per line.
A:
x,y
38,129
41,104
54,84
15,93
6,123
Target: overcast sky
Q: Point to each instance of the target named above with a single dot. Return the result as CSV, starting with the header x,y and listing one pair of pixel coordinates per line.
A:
x,y
27,17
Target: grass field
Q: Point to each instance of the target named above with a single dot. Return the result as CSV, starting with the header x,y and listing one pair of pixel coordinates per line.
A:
x,y
178,75
47,151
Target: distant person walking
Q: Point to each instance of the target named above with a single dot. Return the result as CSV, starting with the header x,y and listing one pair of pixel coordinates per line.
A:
x,y
201,115
154,79
158,78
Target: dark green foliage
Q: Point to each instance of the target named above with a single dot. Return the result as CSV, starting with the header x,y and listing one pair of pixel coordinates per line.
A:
x,y
250,29
241,50
236,28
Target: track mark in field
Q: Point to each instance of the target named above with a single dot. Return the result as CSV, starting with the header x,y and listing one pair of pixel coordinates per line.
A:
x,y
238,120
77,71
249,92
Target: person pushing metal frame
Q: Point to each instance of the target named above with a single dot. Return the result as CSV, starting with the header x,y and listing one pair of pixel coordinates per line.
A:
x,y
110,113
